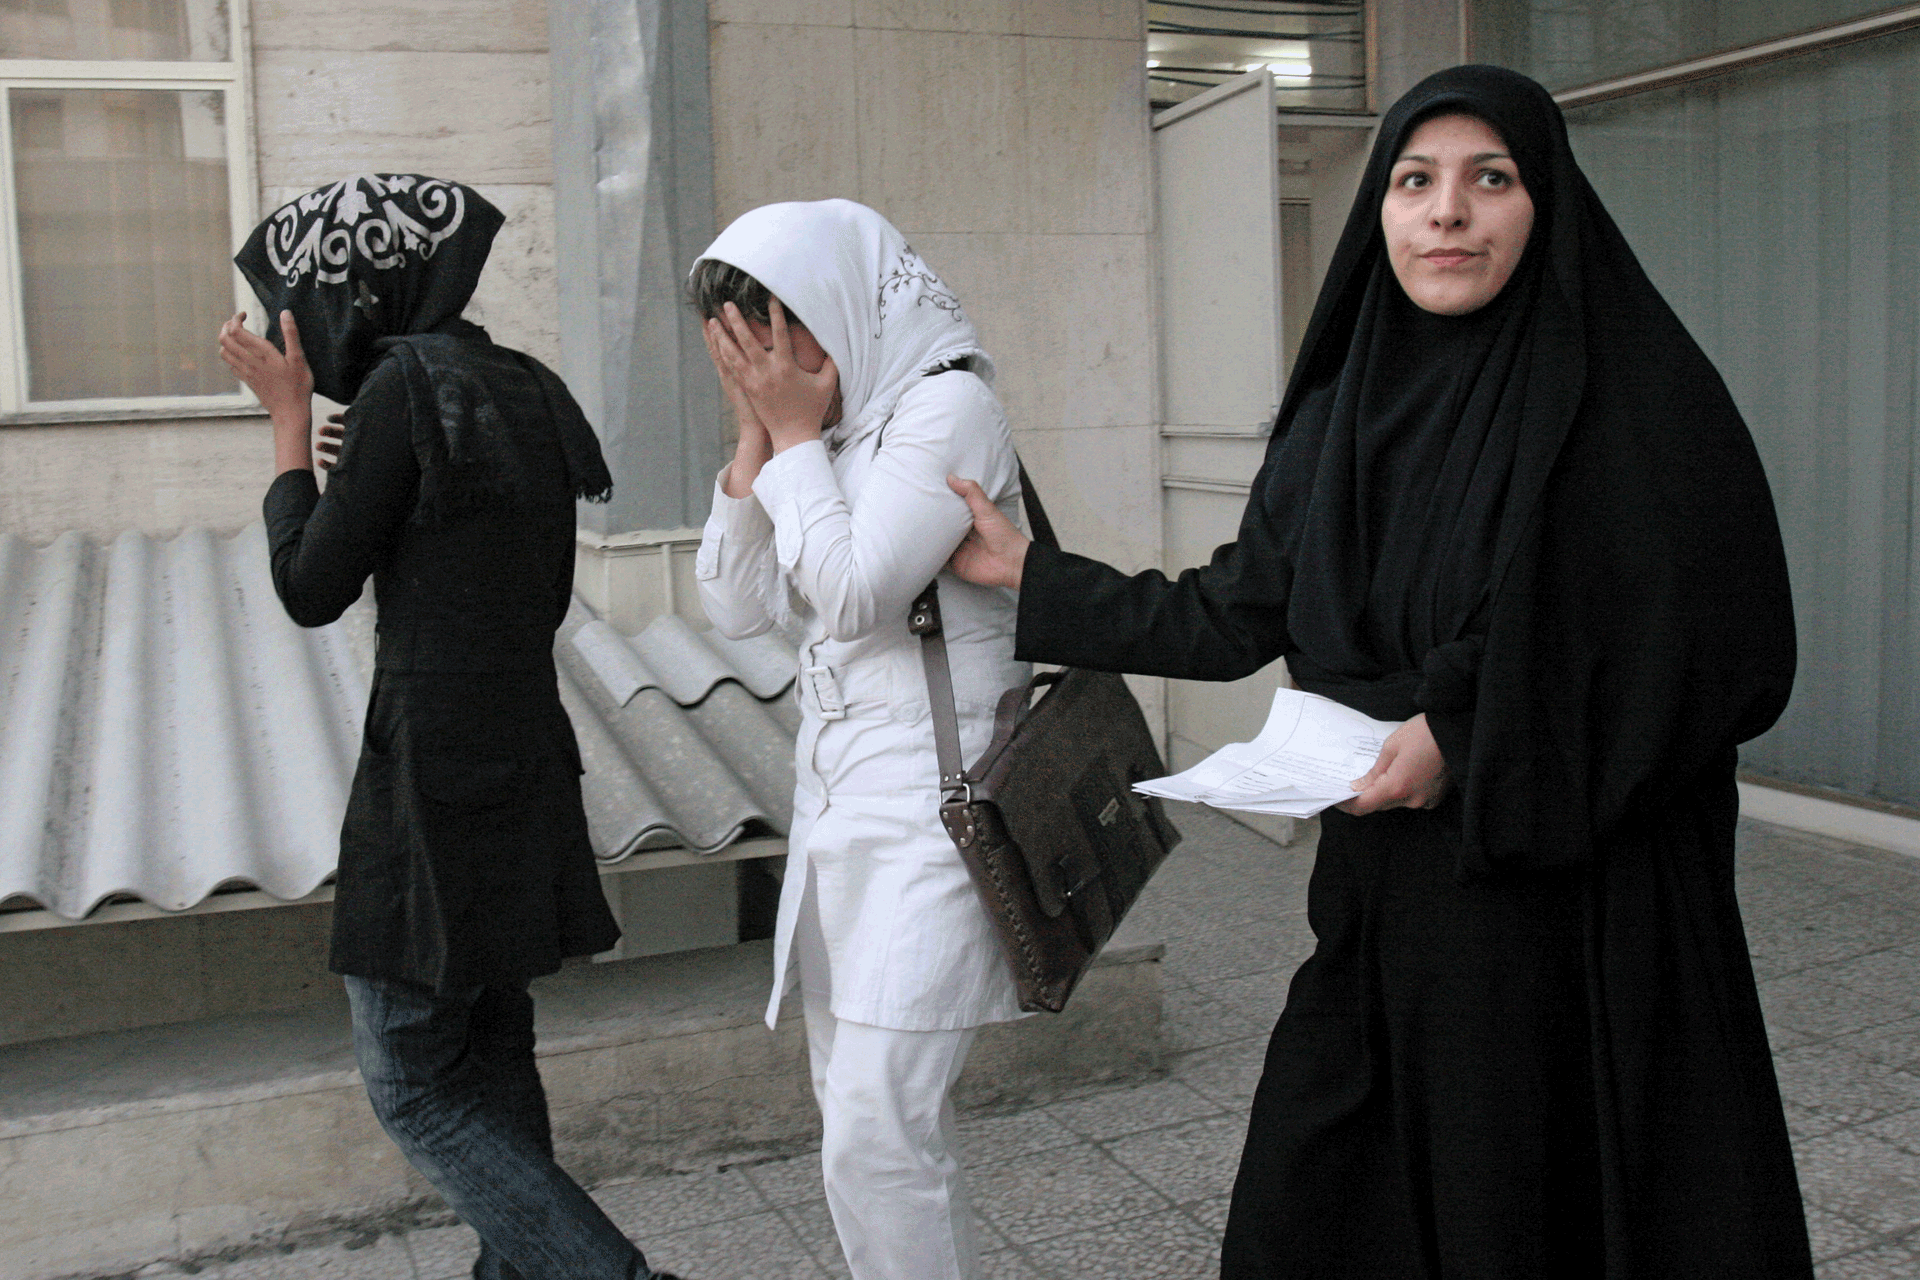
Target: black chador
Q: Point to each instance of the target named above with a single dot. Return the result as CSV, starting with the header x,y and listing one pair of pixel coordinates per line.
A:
x,y
1528,1042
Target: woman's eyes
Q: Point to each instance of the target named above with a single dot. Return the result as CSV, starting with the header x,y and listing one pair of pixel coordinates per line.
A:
x,y
1496,179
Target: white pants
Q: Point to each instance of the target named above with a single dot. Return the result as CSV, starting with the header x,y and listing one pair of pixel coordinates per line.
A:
x,y
889,1156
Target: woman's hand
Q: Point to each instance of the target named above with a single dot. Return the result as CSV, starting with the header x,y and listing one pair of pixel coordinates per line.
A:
x,y
790,403
994,552
754,446
282,382
1410,773
326,449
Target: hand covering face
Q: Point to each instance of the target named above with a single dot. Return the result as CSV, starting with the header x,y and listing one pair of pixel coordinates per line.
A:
x,y
1544,523
871,302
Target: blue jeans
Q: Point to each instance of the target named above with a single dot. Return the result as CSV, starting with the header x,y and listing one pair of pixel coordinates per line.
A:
x,y
452,1079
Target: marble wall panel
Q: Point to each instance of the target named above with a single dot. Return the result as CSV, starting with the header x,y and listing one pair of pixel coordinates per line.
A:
x,y
802,13
1090,338
1101,486
483,117
157,477
1089,19
447,26
1086,136
942,129
998,16
784,123
518,298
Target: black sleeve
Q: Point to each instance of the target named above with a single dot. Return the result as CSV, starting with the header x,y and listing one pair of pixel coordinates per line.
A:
x,y
1222,621
324,546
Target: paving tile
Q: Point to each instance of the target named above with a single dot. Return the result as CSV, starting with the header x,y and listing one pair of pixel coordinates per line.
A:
x,y
1162,1246
1211,1213
374,1258
1841,1086
990,1139
1837,930
1122,1111
812,1222
1057,1192
1235,949
1190,1018
1007,1264
1819,1008
1884,1262
1769,894
785,1182
761,1246
1892,976
1862,1178
1832,1235
1261,996
1779,1037
1192,1161
1228,1073
1895,1043
652,1207
443,1253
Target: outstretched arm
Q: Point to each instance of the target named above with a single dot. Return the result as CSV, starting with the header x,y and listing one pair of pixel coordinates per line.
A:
x,y
1219,622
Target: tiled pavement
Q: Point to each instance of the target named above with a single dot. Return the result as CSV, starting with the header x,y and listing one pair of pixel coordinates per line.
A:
x,y
1132,1182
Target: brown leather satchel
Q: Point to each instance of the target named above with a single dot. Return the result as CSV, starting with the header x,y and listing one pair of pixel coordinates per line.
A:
x,y
1047,819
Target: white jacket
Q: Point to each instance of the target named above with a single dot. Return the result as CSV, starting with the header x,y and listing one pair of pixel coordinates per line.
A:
x,y
857,536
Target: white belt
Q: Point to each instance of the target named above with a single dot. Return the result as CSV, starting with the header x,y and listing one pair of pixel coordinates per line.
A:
x,y
820,688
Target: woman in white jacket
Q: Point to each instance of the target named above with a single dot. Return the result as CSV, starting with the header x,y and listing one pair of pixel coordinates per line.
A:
x,y
860,386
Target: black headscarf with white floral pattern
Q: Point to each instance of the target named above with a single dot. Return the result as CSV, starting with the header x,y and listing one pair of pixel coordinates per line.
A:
x,y
377,255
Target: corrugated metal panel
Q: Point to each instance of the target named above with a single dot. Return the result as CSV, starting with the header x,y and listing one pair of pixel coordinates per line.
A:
x,y
166,730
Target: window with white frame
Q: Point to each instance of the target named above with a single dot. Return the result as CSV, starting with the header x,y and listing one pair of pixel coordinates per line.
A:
x,y
124,185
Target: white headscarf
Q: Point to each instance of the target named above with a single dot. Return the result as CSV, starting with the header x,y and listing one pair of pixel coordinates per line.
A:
x,y
859,287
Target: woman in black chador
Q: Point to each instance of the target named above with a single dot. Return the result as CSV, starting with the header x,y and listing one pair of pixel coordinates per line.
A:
x,y
465,868
1509,502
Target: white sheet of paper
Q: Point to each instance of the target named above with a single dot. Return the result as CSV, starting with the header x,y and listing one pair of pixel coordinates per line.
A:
x,y
1308,751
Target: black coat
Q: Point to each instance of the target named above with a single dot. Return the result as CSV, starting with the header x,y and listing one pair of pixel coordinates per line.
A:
x,y
1528,1042
464,857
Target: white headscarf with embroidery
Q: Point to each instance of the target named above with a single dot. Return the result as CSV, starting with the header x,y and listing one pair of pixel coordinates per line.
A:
x,y
854,281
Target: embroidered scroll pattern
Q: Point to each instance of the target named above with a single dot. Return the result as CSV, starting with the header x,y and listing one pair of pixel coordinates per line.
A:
x,y
911,277
323,230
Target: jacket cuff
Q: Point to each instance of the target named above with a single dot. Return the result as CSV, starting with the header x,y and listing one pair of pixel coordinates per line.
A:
x,y
795,474
291,498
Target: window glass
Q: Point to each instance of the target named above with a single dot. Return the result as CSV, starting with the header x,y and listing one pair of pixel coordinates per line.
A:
x,y
121,196
1317,49
1772,208
1567,43
115,30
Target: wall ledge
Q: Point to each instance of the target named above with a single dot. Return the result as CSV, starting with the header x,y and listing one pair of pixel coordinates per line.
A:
x,y
1856,824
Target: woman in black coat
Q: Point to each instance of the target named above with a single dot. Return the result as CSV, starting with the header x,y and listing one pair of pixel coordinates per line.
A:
x,y
465,868
1509,502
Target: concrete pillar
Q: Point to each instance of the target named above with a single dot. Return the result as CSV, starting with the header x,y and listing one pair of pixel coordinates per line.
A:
x,y
633,204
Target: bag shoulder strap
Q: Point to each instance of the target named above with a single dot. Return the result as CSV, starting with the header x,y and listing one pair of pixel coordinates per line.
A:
x,y
923,620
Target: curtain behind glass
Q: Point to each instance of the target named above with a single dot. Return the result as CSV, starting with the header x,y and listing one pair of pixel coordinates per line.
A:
x,y
121,197
1779,211
102,30
1564,43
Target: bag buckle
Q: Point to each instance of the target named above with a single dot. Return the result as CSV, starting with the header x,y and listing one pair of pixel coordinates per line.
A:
x,y
923,615
825,689
957,818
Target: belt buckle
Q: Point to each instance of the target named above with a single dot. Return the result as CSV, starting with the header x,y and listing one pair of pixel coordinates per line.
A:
x,y
826,693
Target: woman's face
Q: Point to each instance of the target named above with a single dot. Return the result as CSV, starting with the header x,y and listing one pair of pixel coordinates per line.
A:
x,y
1456,216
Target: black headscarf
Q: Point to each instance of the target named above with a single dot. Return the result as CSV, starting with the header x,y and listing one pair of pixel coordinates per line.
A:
x,y
380,266
1544,523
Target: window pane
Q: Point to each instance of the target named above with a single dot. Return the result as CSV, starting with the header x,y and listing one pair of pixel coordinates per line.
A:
x,y
101,30
1566,43
124,241
1772,208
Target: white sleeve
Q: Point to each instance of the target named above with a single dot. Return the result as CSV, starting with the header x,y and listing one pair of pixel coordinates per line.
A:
x,y
860,566
734,567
